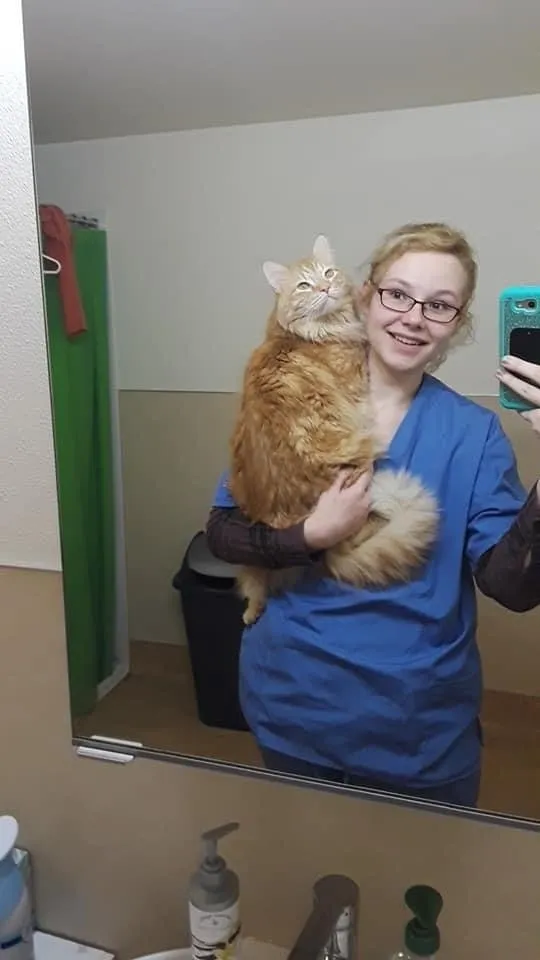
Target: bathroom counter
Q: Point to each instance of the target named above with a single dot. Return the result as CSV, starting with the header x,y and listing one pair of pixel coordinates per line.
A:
x,y
49,947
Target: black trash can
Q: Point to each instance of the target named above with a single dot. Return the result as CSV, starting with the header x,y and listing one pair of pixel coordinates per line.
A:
x,y
212,612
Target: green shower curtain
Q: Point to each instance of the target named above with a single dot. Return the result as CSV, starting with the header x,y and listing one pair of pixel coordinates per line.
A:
x,y
80,378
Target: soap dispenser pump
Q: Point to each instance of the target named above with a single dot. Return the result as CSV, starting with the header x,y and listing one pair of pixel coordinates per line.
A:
x,y
214,909
422,935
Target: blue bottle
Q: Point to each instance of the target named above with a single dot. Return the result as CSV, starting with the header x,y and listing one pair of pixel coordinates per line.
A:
x,y
16,934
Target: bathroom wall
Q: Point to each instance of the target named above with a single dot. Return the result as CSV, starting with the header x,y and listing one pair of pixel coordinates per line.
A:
x,y
184,320
192,215
113,846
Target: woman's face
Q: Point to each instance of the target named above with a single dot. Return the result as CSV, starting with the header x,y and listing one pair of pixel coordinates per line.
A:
x,y
406,341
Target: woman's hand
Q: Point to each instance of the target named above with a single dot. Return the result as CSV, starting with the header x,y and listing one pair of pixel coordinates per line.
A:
x,y
512,369
340,512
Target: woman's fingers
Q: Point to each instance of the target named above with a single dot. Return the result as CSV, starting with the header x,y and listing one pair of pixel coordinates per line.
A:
x,y
361,485
341,481
344,481
522,368
339,512
532,417
511,372
525,390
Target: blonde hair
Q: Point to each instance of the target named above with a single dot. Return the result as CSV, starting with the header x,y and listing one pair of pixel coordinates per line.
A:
x,y
432,238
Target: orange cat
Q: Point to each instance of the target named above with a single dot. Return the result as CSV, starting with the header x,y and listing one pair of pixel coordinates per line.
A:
x,y
304,415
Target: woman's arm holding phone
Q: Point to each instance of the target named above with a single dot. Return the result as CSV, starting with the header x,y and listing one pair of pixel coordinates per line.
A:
x,y
510,571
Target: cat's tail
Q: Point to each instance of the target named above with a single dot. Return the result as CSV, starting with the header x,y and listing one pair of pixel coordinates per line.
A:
x,y
396,538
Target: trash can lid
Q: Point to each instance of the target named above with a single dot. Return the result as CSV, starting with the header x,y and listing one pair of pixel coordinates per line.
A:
x,y
201,560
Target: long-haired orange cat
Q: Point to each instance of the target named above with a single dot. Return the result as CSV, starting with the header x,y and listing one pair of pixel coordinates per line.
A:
x,y
305,415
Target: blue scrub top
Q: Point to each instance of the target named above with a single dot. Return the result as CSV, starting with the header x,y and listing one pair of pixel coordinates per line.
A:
x,y
386,684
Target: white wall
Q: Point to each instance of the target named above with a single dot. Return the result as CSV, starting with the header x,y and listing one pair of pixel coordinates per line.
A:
x,y
192,215
28,504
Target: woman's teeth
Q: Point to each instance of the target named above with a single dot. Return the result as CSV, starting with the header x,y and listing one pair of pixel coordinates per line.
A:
x,y
408,341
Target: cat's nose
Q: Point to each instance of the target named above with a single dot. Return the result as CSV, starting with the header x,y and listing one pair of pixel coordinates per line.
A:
x,y
324,288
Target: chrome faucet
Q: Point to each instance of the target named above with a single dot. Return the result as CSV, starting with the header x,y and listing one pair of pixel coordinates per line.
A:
x,y
330,930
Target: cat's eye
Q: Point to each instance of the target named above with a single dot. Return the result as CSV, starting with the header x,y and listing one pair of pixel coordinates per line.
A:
x,y
303,285
329,273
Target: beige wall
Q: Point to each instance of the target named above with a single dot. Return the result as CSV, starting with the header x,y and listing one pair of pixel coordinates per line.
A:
x,y
174,446
113,845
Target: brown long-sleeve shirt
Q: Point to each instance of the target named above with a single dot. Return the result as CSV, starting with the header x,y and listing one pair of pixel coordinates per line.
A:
x,y
509,572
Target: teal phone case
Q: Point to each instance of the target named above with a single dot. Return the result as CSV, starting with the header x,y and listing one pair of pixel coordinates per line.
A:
x,y
511,318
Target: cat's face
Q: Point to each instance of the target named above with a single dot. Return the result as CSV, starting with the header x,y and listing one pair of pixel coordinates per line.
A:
x,y
309,291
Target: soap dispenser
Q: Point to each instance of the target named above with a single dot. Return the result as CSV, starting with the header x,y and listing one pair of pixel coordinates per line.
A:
x,y
214,910
16,935
422,936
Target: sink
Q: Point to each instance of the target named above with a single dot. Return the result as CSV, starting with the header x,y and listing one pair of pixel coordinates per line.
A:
x,y
250,949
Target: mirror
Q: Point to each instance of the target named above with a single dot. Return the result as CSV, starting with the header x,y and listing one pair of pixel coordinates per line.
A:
x,y
178,147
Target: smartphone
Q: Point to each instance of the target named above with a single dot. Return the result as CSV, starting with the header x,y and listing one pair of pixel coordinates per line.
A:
x,y
519,334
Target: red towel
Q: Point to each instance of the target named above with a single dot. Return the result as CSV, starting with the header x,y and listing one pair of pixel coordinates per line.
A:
x,y
57,243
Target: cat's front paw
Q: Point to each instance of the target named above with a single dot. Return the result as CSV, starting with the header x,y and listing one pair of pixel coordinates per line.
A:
x,y
251,614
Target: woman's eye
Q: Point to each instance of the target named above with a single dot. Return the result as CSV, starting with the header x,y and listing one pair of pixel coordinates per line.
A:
x,y
397,294
437,306
329,273
303,285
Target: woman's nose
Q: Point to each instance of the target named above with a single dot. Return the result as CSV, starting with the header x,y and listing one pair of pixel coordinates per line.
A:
x,y
415,317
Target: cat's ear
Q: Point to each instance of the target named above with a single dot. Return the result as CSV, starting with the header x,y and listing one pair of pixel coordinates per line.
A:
x,y
276,274
322,251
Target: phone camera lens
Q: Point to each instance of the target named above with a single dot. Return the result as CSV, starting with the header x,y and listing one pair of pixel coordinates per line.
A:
x,y
531,304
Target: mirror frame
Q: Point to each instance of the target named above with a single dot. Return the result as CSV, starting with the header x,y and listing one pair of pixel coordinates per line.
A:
x,y
86,749
112,750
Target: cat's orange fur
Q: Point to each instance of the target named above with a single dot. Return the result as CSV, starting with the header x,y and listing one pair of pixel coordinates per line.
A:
x,y
304,415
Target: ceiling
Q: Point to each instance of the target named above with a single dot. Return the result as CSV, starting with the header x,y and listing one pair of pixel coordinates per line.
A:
x,y
105,68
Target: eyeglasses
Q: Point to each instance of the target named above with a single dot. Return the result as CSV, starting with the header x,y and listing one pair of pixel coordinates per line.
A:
x,y
435,310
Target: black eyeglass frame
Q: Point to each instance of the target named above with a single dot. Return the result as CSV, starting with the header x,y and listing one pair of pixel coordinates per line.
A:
x,y
411,303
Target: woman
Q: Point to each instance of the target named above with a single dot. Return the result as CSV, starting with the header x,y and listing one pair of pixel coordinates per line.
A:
x,y
382,688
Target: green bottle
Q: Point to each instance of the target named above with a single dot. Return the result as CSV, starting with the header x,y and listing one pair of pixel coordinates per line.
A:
x,y
422,935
